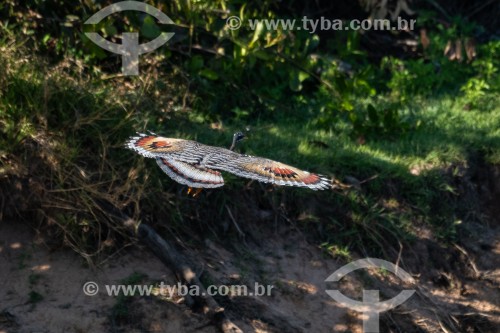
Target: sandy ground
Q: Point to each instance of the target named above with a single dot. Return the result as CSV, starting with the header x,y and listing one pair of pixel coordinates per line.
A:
x,y
29,269
42,289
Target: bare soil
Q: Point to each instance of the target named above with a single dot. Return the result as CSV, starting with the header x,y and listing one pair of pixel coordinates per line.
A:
x,y
457,285
457,289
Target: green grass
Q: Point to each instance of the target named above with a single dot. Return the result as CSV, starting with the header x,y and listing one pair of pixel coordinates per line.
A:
x,y
63,126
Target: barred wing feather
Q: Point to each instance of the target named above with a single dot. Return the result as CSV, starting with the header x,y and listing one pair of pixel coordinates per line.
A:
x,y
195,164
269,171
190,175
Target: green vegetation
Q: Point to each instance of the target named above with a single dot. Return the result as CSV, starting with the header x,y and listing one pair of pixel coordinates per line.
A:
x,y
409,126
121,311
35,297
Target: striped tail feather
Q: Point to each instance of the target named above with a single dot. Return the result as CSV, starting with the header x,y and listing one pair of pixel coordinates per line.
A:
x,y
190,175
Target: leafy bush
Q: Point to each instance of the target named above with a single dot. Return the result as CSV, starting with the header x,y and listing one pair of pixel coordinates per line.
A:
x,y
325,96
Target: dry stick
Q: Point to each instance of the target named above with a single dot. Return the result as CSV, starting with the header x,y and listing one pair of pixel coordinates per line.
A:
x,y
172,258
176,261
242,234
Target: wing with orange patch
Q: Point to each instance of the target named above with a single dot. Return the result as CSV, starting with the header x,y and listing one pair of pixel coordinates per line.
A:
x,y
154,146
270,171
194,164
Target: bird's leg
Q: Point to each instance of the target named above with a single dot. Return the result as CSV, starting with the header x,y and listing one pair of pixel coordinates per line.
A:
x,y
194,192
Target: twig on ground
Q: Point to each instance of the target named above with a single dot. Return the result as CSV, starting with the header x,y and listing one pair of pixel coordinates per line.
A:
x,y
242,234
172,258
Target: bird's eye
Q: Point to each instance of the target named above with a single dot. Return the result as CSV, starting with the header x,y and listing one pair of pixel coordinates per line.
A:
x,y
238,136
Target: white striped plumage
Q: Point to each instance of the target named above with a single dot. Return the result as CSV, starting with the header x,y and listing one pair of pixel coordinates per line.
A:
x,y
197,165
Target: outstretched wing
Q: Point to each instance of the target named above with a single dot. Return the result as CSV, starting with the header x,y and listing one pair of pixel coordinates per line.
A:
x,y
269,171
154,146
190,175
194,164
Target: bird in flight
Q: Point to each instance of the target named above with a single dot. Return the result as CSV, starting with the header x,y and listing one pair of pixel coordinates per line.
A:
x,y
198,166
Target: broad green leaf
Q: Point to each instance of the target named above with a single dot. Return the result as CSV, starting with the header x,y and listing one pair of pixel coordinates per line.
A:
x,y
196,63
303,76
149,28
209,74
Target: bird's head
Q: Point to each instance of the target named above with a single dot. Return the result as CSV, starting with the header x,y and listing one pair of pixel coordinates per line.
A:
x,y
238,136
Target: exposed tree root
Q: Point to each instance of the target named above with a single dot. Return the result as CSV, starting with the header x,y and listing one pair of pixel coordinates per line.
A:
x,y
174,260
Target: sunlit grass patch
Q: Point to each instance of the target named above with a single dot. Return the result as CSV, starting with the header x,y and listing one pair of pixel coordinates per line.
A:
x,y
63,129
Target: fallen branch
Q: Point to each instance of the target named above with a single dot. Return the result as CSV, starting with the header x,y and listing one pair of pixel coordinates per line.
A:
x,y
178,263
